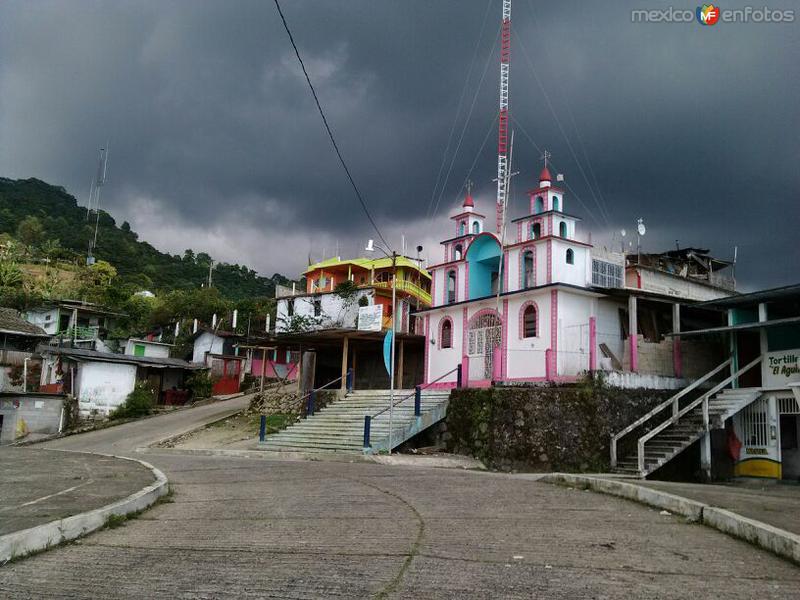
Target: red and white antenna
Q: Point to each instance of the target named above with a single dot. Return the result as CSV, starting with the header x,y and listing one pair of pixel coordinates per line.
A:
x,y
502,142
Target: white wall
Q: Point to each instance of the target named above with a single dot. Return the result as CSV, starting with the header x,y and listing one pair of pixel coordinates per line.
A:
x,y
104,386
578,273
206,342
150,348
442,360
527,356
47,319
336,312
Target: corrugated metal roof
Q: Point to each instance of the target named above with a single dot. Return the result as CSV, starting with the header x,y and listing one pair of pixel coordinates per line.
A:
x,y
94,355
12,322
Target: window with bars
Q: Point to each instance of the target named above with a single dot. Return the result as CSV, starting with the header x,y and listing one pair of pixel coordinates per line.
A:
x,y
755,424
529,322
606,274
447,334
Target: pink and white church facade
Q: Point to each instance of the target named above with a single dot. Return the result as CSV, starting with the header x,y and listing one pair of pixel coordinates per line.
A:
x,y
543,324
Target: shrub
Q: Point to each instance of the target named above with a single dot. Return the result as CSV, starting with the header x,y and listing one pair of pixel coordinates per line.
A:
x,y
138,403
200,384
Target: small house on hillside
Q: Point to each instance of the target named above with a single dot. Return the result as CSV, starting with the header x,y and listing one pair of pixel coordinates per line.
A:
x,y
19,339
101,381
73,319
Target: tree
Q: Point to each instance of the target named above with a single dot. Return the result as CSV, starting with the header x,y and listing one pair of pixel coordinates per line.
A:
x,y
188,255
96,279
30,231
10,274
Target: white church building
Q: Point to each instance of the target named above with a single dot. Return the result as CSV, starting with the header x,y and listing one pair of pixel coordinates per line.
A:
x,y
544,305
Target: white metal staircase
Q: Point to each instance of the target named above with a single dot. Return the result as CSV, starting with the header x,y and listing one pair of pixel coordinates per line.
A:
x,y
339,427
668,437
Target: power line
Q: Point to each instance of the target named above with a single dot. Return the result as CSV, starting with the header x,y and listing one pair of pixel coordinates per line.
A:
x,y
327,127
458,108
563,133
466,124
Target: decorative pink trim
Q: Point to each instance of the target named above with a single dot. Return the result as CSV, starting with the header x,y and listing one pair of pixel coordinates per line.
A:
x,y
549,261
427,355
519,232
497,363
562,379
464,331
592,344
442,385
480,383
485,311
554,332
446,299
506,261
504,341
433,288
532,248
442,321
522,318
466,281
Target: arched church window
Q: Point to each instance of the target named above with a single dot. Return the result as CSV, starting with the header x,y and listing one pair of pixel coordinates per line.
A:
x,y
562,229
570,256
458,252
556,203
527,269
447,334
462,229
529,321
451,287
536,231
538,205
476,227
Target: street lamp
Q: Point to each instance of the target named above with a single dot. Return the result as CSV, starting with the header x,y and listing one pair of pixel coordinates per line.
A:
x,y
371,247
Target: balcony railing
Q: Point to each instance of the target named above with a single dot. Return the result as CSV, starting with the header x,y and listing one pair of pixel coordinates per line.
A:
x,y
80,333
403,286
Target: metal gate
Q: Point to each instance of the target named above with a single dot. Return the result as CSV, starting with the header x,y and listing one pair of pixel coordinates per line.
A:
x,y
484,337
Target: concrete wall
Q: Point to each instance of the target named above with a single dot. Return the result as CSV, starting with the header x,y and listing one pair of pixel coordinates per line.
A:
x,y
37,413
47,319
671,285
103,386
152,349
206,342
336,312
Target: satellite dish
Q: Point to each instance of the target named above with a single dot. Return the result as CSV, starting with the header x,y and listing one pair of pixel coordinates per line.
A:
x,y
624,233
370,246
641,228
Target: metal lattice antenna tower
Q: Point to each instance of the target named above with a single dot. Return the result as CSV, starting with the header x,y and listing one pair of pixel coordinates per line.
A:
x,y
502,141
94,200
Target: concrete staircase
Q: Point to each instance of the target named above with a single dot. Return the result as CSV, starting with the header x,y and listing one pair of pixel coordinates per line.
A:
x,y
339,427
677,436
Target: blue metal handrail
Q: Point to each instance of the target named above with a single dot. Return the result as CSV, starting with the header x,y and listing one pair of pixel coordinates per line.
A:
x,y
417,401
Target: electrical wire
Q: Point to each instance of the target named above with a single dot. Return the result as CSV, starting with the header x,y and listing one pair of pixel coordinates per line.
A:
x,y
466,123
561,129
328,128
458,107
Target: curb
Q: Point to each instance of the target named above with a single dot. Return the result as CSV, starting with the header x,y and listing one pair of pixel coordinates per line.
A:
x,y
258,454
27,541
778,541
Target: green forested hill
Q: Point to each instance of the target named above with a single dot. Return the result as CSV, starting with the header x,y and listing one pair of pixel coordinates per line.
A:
x,y
138,264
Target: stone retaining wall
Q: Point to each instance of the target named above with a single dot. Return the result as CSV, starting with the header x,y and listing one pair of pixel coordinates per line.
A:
x,y
565,428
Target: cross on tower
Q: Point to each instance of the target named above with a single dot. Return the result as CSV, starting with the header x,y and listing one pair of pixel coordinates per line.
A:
x,y
545,155
469,186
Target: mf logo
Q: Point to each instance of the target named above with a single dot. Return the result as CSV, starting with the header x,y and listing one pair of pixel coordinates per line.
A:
x,y
708,14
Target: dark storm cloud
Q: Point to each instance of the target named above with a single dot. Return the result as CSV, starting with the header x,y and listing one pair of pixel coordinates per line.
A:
x,y
216,144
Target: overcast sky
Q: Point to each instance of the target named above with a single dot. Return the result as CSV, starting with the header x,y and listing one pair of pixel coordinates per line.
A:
x,y
215,143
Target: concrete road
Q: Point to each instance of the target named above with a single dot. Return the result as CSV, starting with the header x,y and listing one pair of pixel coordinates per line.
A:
x,y
39,485
240,528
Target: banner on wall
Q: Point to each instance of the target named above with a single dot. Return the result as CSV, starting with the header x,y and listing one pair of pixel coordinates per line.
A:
x,y
782,368
370,318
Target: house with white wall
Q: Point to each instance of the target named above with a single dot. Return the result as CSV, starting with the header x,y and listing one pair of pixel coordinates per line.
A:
x,y
101,381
